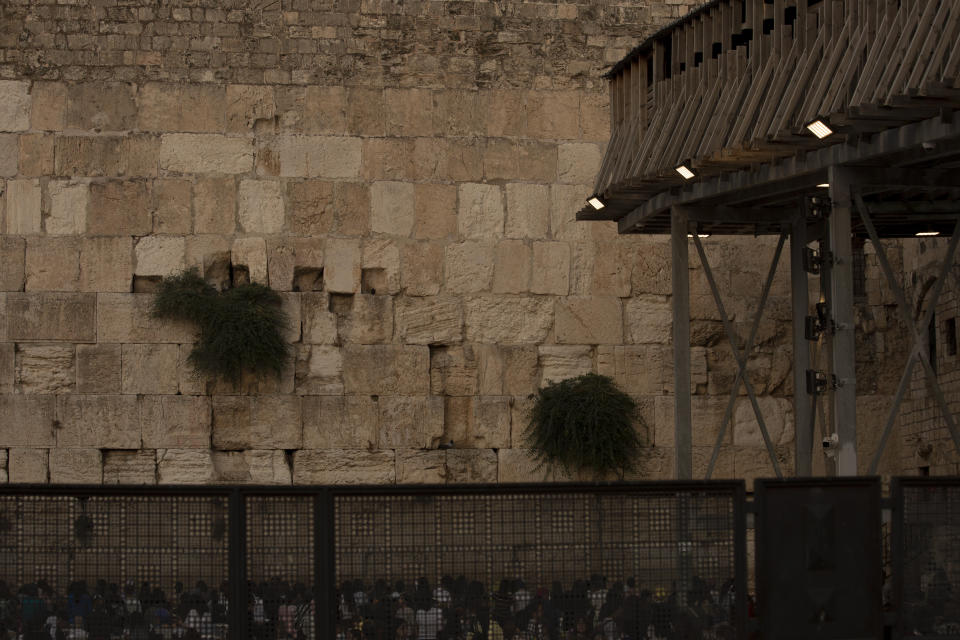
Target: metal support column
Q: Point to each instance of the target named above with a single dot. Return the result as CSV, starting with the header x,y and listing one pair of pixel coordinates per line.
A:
x,y
680,283
802,405
237,565
844,415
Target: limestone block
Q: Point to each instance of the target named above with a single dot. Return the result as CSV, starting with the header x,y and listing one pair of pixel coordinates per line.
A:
x,y
215,205
312,207
28,465
14,105
480,213
749,464
471,466
364,111
251,253
537,161
340,422
98,368
528,211
119,209
500,160
181,422
387,159
368,320
259,422
205,153
160,255
409,422
563,362
12,262
454,371
251,467
172,212
518,465
76,466
392,208
578,162
649,319
435,211
36,157
565,201
9,155
23,206
290,306
310,157
28,421
344,466
7,368
185,466
386,369
380,266
408,112
46,368
260,206
415,466
324,109
49,106
468,267
53,264
508,370
777,417
100,106
341,269
551,268
129,467
429,320
106,264
520,419
100,421
149,368
353,208
638,370
68,208
319,370
503,112
511,271
68,317
553,115
477,423
246,104
421,270
125,317
724,467
176,107
3,466
127,155
319,323
508,319
707,417
593,320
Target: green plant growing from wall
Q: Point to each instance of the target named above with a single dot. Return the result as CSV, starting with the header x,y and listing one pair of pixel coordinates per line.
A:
x,y
240,328
584,423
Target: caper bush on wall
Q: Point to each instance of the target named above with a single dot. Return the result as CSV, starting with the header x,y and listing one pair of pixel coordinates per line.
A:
x,y
241,329
584,423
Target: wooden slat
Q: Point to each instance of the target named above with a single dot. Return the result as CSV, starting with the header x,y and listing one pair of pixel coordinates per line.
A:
x,y
936,41
784,120
887,35
747,118
828,70
839,93
899,84
895,56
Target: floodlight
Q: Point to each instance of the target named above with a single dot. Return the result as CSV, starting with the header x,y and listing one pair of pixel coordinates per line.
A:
x,y
595,202
823,185
819,128
685,171
927,233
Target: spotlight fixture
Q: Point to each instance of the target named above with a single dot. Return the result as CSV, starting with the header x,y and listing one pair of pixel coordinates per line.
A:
x,y
685,171
699,235
927,233
595,202
819,128
823,185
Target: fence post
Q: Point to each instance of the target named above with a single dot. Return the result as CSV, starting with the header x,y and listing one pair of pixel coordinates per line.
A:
x,y
740,558
237,569
325,569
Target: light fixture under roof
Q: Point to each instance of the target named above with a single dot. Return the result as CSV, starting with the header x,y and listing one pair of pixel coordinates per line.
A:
x,y
823,185
819,128
685,171
927,233
699,235
595,202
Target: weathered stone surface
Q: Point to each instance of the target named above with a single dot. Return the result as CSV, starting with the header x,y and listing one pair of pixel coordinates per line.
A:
x,y
310,157
106,264
638,370
36,158
133,155
68,317
471,466
565,201
14,105
101,421
7,359
205,153
500,160
130,467
119,209
563,362
340,466
435,211
98,368
454,371
252,467
517,465
125,317
508,370
511,271
172,212
707,416
46,368
578,162
251,254
215,205
187,107
28,421
386,369
520,419
777,417
416,466
528,211
76,466
53,264
260,206
392,208
49,106
312,207
551,268
593,320
9,155
3,466
319,323
319,370
477,422
749,464
149,368
340,422
248,104
181,422
160,255
508,319
368,320
429,320
408,112
341,269
380,266
468,267
68,208
649,319
100,106
421,270
409,422
23,206
553,114
480,215
28,465
604,268
260,422
12,262
537,161
185,466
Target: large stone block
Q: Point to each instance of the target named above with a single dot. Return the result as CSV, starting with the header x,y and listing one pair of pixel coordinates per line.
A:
x,y
477,423
508,319
68,208
9,155
76,466
500,160
130,467
749,465
98,368
46,368
508,370
251,254
387,159
205,153
565,201
421,270
551,268
121,156
416,466
429,320
36,157
53,264
468,267
386,369
563,362
367,320
185,466
28,421
471,466
319,323
120,209
106,264
160,255
14,105
511,271
641,370
3,466
518,465
578,162
312,207
344,466
248,104
649,319
319,370
68,317
553,115
537,161
260,206
504,112
126,317
341,269
707,417
100,421
380,266
215,205
454,371
181,422
28,465
260,422
49,106
410,422
408,112
252,467
172,211
340,422
392,208
435,211
593,320
528,211
182,108
12,263
310,157
480,215
101,106
149,368
23,207
777,417
7,368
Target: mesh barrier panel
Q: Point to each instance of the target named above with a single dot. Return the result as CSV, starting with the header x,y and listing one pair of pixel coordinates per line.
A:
x,y
930,560
635,563
280,567
113,565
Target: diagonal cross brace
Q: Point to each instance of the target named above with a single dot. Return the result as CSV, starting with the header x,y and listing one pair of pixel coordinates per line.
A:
x,y
740,358
916,352
747,346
